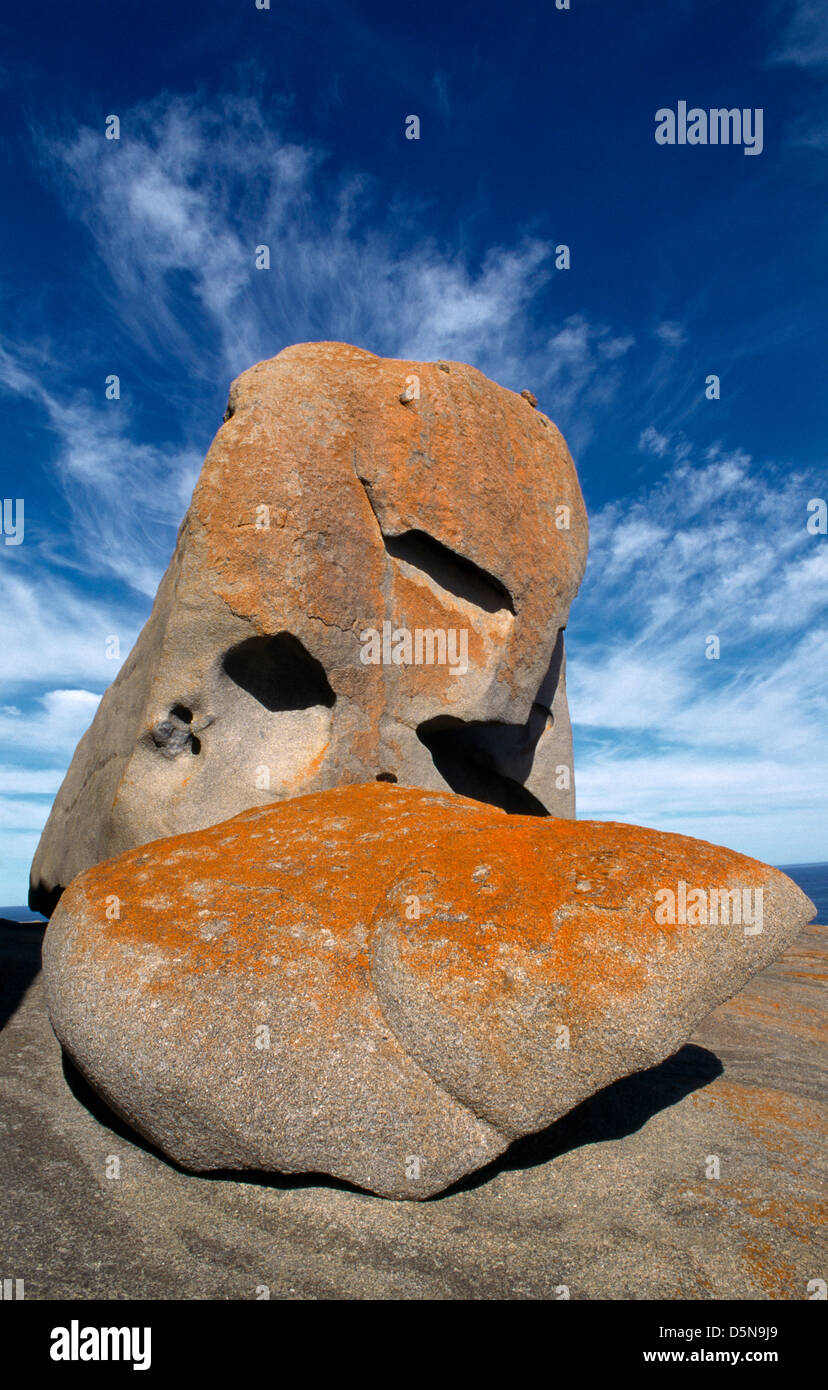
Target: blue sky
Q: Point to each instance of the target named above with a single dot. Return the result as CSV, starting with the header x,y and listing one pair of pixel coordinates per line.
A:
x,y
242,126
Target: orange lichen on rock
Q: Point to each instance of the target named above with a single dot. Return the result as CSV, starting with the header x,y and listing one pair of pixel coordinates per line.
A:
x,y
788,1124
326,509
432,977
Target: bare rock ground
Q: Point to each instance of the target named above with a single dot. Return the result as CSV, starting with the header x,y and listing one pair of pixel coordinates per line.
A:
x,y
610,1202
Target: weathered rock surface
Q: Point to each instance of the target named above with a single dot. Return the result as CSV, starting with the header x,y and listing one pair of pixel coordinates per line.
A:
x,y
326,508
612,1202
264,995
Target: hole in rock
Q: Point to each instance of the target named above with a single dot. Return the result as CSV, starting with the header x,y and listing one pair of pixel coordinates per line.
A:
x,y
451,571
173,734
386,777
462,760
279,672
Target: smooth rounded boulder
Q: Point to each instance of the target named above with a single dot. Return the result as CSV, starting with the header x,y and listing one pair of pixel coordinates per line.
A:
x,y
389,985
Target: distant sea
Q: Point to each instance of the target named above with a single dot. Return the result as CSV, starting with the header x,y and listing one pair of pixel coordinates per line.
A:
x,y
812,879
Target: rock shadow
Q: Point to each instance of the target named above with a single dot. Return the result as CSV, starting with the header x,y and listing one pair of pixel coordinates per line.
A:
x,y
279,672
614,1113
20,948
490,760
459,753
452,571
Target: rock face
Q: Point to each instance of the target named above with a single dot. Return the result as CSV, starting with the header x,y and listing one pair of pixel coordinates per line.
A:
x,y
389,985
371,582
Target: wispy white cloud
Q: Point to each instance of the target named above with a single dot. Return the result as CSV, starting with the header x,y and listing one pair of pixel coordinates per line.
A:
x,y
761,807
176,210
799,597
52,725
652,442
40,782
804,36
667,735
179,205
673,334
52,632
802,41
125,497
575,373
46,728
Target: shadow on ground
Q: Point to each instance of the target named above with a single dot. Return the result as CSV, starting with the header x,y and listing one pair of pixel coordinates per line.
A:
x,y
20,946
614,1113
619,1110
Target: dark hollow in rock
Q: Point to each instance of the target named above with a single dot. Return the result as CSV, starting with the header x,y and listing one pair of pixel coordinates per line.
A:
x,y
451,571
279,672
463,762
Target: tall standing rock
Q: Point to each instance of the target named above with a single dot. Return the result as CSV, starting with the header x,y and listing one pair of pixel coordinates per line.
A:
x,y
345,495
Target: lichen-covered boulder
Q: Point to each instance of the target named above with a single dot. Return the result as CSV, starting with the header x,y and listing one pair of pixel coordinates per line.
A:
x,y
372,581
390,985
